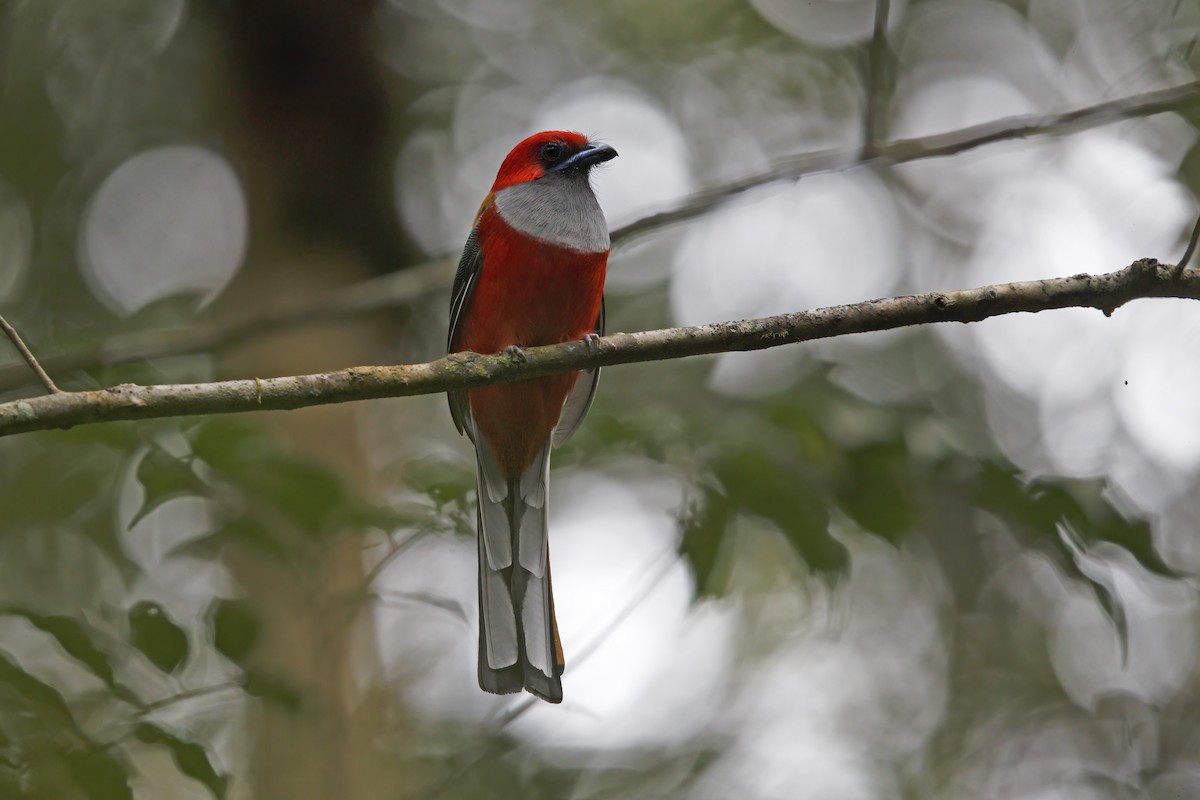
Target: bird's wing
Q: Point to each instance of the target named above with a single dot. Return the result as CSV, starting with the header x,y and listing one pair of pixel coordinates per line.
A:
x,y
469,268
580,399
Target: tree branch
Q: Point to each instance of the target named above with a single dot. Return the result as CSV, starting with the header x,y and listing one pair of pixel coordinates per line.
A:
x,y
410,284
1145,278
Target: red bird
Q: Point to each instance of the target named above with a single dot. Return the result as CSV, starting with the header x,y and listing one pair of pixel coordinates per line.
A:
x,y
532,273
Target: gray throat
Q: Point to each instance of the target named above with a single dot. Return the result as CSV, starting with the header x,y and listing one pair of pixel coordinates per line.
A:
x,y
558,208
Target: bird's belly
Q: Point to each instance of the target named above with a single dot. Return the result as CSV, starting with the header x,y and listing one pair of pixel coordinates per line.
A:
x,y
518,418
529,293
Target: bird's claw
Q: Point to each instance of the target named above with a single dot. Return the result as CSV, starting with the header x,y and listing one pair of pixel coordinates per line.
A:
x,y
515,352
591,343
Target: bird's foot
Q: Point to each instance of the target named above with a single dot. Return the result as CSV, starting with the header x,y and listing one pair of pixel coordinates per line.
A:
x,y
515,352
591,343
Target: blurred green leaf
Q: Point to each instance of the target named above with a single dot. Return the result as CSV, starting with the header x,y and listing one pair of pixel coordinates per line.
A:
x,y
1051,513
779,490
807,439
43,698
77,639
57,741
309,495
1041,506
155,635
1112,607
999,489
164,477
65,481
1093,519
78,476
771,488
443,480
704,527
100,773
1135,537
120,436
11,779
191,758
232,445
649,433
235,629
879,488
243,531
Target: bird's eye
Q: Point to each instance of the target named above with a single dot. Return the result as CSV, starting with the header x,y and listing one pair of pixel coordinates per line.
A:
x,y
552,151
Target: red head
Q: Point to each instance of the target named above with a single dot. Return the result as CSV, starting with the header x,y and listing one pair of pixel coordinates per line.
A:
x,y
547,152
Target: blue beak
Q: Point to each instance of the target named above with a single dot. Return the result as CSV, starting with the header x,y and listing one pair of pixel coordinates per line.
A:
x,y
587,157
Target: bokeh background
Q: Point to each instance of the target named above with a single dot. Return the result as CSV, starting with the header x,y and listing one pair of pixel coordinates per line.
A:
x,y
944,562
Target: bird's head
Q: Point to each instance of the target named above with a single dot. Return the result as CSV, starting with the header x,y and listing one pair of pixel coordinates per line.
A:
x,y
551,153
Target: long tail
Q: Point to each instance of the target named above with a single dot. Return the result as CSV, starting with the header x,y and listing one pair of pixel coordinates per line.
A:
x,y
519,646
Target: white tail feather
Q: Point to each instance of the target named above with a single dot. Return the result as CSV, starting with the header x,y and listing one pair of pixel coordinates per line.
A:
x,y
494,534
538,627
535,479
497,487
532,547
498,616
494,531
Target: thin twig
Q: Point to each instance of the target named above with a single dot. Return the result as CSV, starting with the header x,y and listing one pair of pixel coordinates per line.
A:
x,y
394,552
393,597
187,694
411,284
902,151
1190,251
28,356
878,64
353,301
1146,278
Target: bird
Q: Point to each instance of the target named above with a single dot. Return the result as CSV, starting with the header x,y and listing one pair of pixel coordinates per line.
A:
x,y
532,273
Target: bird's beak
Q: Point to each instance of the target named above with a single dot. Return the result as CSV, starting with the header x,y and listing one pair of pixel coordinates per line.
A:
x,y
587,157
